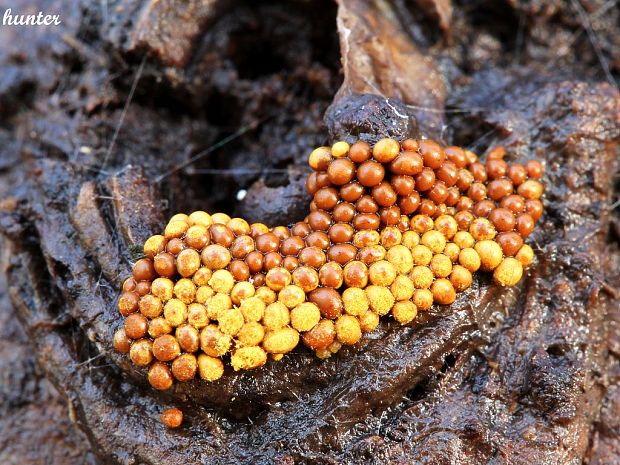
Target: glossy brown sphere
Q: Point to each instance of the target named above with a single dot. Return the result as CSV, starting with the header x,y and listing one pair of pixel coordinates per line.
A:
x,y
496,168
384,195
510,242
331,275
425,180
534,169
341,171
499,188
267,242
370,173
525,224
407,163
503,219
403,185
352,191
514,203
329,302
143,270
359,152
318,239
432,153
534,208
221,234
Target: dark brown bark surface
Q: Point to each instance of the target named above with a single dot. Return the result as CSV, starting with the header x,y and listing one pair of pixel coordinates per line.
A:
x,y
131,111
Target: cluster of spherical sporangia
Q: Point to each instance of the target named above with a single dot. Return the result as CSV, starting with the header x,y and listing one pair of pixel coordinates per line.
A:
x,y
392,230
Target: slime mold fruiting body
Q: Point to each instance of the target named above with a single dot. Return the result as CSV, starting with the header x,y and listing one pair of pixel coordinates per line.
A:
x,y
392,230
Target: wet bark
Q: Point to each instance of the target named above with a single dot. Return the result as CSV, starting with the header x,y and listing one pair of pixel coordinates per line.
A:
x,y
132,111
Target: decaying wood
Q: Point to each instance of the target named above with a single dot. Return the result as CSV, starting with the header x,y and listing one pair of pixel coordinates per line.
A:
x,y
121,125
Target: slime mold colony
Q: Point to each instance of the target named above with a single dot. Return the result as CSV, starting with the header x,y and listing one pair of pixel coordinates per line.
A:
x,y
392,230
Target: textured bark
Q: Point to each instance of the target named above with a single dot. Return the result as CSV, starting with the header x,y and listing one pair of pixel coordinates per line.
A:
x,y
113,121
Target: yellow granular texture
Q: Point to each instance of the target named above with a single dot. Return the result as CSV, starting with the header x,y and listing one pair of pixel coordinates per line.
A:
x,y
355,301
281,341
400,256
220,218
252,308
213,342
247,358
230,321
291,296
382,273
404,311
215,256
210,368
222,281
150,306
162,288
422,277
305,316
197,315
239,226
179,217
402,288
340,149
525,255
200,218
158,327
335,347
203,294
348,330
197,235
423,299
185,290
154,245
441,265
202,276
242,290
434,240
276,315
490,254
266,294
218,304
369,321
319,157
452,251
380,298
175,312
508,272
470,259
175,228
251,334
188,262
463,239
410,239
421,255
